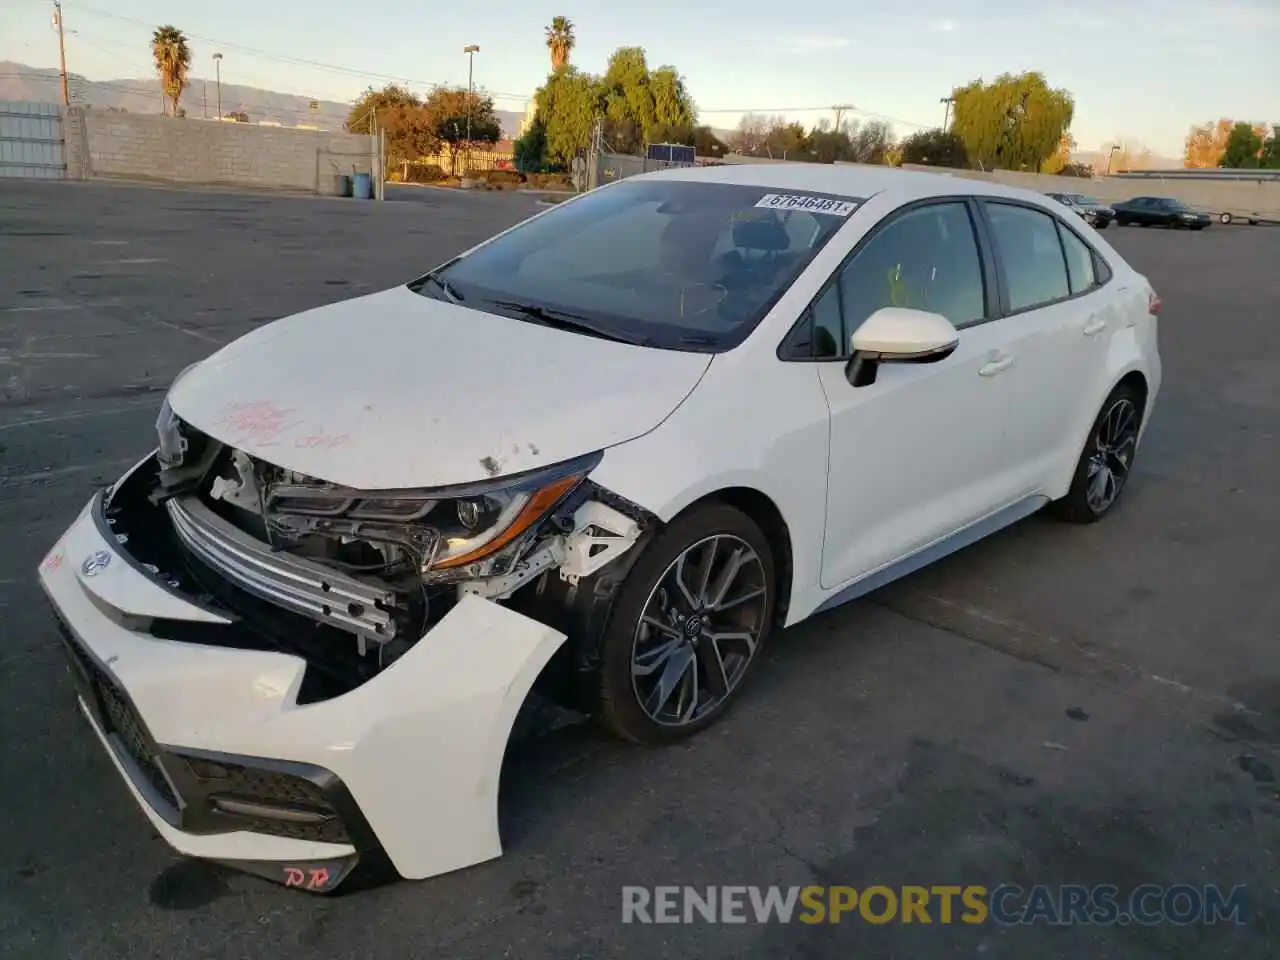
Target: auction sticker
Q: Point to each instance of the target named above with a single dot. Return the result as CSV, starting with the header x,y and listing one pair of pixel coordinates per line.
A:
x,y
831,206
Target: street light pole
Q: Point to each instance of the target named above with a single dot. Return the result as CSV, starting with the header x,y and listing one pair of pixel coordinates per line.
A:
x,y
217,64
946,118
62,53
470,50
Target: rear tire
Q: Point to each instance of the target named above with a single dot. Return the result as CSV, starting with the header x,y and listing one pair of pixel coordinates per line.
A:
x,y
687,628
1224,218
1103,469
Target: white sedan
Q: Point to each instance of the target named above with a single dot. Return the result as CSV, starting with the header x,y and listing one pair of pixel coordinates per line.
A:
x,y
612,448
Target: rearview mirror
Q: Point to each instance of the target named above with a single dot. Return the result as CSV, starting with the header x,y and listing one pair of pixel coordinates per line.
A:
x,y
898,335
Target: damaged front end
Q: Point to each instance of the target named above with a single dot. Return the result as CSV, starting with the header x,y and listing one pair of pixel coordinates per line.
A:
x,y
350,580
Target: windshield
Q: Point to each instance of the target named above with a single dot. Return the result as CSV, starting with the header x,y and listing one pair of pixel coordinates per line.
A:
x,y
1083,200
667,263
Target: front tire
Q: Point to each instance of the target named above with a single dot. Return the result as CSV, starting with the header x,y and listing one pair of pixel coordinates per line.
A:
x,y
687,627
1107,460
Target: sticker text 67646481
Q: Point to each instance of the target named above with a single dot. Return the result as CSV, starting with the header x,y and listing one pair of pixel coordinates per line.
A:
x,y
832,206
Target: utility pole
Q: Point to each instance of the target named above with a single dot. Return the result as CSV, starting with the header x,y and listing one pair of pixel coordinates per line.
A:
x,y
204,99
840,109
946,118
217,63
470,50
62,53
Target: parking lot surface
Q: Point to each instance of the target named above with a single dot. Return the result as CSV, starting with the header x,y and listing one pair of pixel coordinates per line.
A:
x,y
1057,704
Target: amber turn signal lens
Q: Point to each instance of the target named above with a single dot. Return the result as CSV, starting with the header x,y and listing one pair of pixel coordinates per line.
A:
x,y
537,507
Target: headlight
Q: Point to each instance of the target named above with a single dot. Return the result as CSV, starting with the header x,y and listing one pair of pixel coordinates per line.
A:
x,y
484,525
462,525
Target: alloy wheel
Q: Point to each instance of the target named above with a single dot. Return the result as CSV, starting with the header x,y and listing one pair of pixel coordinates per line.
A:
x,y
1114,445
699,630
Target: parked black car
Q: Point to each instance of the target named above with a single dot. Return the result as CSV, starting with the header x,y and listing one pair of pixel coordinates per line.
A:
x,y
1160,212
1094,212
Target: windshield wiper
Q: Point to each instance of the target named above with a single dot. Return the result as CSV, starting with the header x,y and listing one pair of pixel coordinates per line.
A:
x,y
562,320
444,285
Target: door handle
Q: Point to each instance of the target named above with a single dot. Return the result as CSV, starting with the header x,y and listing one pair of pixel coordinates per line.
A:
x,y
1095,328
998,365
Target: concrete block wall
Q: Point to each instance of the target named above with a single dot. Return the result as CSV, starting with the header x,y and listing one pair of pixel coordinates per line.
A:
x,y
184,150
1241,198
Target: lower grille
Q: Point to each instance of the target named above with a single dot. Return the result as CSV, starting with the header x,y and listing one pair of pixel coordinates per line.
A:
x,y
120,720
257,799
306,813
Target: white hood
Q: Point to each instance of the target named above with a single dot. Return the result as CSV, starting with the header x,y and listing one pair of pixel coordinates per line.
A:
x,y
399,390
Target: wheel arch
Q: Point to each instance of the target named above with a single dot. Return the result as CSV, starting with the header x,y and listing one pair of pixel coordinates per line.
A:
x,y
1134,377
760,508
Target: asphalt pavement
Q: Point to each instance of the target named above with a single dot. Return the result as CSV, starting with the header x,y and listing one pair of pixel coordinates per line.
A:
x,y
1055,705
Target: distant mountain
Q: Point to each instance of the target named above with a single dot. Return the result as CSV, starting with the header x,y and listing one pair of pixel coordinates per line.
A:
x,y
40,85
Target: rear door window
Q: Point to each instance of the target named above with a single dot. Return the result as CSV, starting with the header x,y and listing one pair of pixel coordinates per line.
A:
x,y
1035,269
1080,270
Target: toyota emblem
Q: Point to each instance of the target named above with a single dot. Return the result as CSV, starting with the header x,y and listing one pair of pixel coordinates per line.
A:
x,y
95,563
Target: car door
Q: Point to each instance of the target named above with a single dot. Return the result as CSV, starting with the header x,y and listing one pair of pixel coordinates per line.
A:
x,y
919,453
1058,320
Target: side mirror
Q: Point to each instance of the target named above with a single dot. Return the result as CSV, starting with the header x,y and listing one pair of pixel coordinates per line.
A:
x,y
898,335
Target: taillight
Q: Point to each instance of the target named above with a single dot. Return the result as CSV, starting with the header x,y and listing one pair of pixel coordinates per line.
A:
x,y
1153,304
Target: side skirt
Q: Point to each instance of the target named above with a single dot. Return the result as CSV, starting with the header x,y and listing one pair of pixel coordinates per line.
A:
x,y
965,537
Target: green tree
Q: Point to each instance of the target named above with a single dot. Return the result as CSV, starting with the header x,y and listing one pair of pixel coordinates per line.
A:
x,y
935,148
1270,158
1014,123
529,152
379,106
869,142
567,104
172,56
446,113
672,103
1244,148
826,144
629,108
707,144
786,140
560,41
672,133
399,113
637,105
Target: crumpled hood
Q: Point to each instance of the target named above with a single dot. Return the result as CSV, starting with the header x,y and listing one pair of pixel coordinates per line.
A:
x,y
399,390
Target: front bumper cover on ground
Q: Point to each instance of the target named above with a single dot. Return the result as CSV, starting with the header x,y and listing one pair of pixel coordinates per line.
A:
x,y
398,776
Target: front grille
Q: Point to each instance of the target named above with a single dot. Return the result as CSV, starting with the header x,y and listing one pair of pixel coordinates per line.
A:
x,y
120,719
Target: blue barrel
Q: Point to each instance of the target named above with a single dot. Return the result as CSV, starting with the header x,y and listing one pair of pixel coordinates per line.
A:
x,y
364,186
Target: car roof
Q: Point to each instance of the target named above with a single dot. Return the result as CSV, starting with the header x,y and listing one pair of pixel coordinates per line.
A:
x,y
860,181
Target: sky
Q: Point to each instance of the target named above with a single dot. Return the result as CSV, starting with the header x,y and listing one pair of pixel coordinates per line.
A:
x,y
1141,71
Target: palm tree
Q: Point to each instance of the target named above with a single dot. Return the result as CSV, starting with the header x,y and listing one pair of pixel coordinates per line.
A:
x,y
560,41
173,60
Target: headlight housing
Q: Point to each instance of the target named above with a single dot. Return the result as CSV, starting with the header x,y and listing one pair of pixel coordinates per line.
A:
x,y
449,527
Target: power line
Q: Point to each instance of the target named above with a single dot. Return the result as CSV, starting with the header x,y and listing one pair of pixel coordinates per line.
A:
x,y
303,61
823,109
497,95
